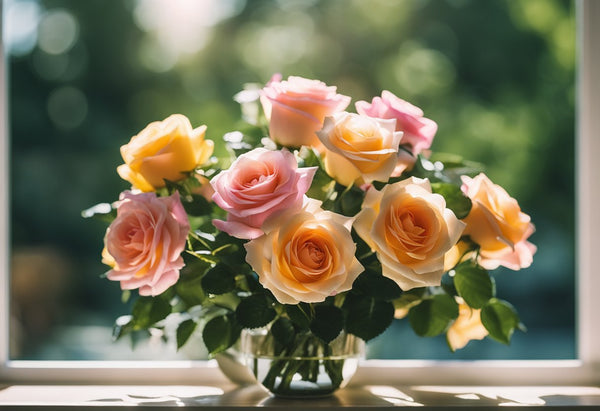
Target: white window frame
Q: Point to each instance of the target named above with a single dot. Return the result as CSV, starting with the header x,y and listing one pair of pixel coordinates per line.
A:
x,y
584,370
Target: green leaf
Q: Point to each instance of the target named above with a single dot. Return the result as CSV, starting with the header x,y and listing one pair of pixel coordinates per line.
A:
x,y
147,311
474,284
328,322
250,283
407,300
184,332
433,315
500,319
283,331
194,267
377,286
367,317
448,285
220,333
196,205
191,291
123,325
254,312
228,301
172,186
456,166
350,201
321,187
455,199
300,315
218,280
235,250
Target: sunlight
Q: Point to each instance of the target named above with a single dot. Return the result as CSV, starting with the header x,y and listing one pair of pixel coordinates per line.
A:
x,y
178,27
392,395
87,395
510,396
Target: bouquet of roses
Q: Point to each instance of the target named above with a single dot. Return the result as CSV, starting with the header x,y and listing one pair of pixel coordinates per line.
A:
x,y
322,223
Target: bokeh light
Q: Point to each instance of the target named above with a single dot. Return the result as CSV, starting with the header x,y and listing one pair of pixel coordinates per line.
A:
x,y
178,27
20,27
67,107
58,31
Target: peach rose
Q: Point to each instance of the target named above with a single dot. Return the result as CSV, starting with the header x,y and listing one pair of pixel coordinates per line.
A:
x,y
296,108
466,327
418,130
497,224
143,245
258,184
305,256
359,149
204,189
164,150
405,162
410,229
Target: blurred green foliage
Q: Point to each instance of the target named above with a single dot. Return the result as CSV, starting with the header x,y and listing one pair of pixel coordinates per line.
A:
x,y
497,76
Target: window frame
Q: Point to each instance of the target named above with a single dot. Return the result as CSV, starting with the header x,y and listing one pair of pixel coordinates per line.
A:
x,y
583,370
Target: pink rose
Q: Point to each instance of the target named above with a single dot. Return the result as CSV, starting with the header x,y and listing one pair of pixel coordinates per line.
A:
x,y
296,108
144,243
498,225
258,184
418,130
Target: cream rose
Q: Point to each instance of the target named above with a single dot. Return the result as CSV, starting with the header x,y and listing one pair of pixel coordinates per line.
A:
x,y
466,327
164,150
305,256
143,245
359,149
410,229
498,225
296,108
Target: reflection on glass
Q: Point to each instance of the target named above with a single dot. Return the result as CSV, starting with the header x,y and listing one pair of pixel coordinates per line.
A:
x,y
497,76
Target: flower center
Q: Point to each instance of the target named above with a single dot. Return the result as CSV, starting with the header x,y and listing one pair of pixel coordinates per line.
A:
x,y
410,227
409,232
311,255
254,180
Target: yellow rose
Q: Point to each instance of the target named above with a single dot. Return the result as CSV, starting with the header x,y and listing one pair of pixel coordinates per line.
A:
x,y
460,252
359,148
497,224
164,150
305,256
466,327
410,229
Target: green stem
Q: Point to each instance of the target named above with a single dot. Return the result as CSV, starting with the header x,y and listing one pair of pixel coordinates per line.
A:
x,y
334,368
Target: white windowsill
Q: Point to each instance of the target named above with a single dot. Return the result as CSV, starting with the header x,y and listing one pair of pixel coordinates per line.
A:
x,y
245,397
377,384
370,372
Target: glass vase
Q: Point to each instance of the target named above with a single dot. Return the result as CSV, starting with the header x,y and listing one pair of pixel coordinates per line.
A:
x,y
305,367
